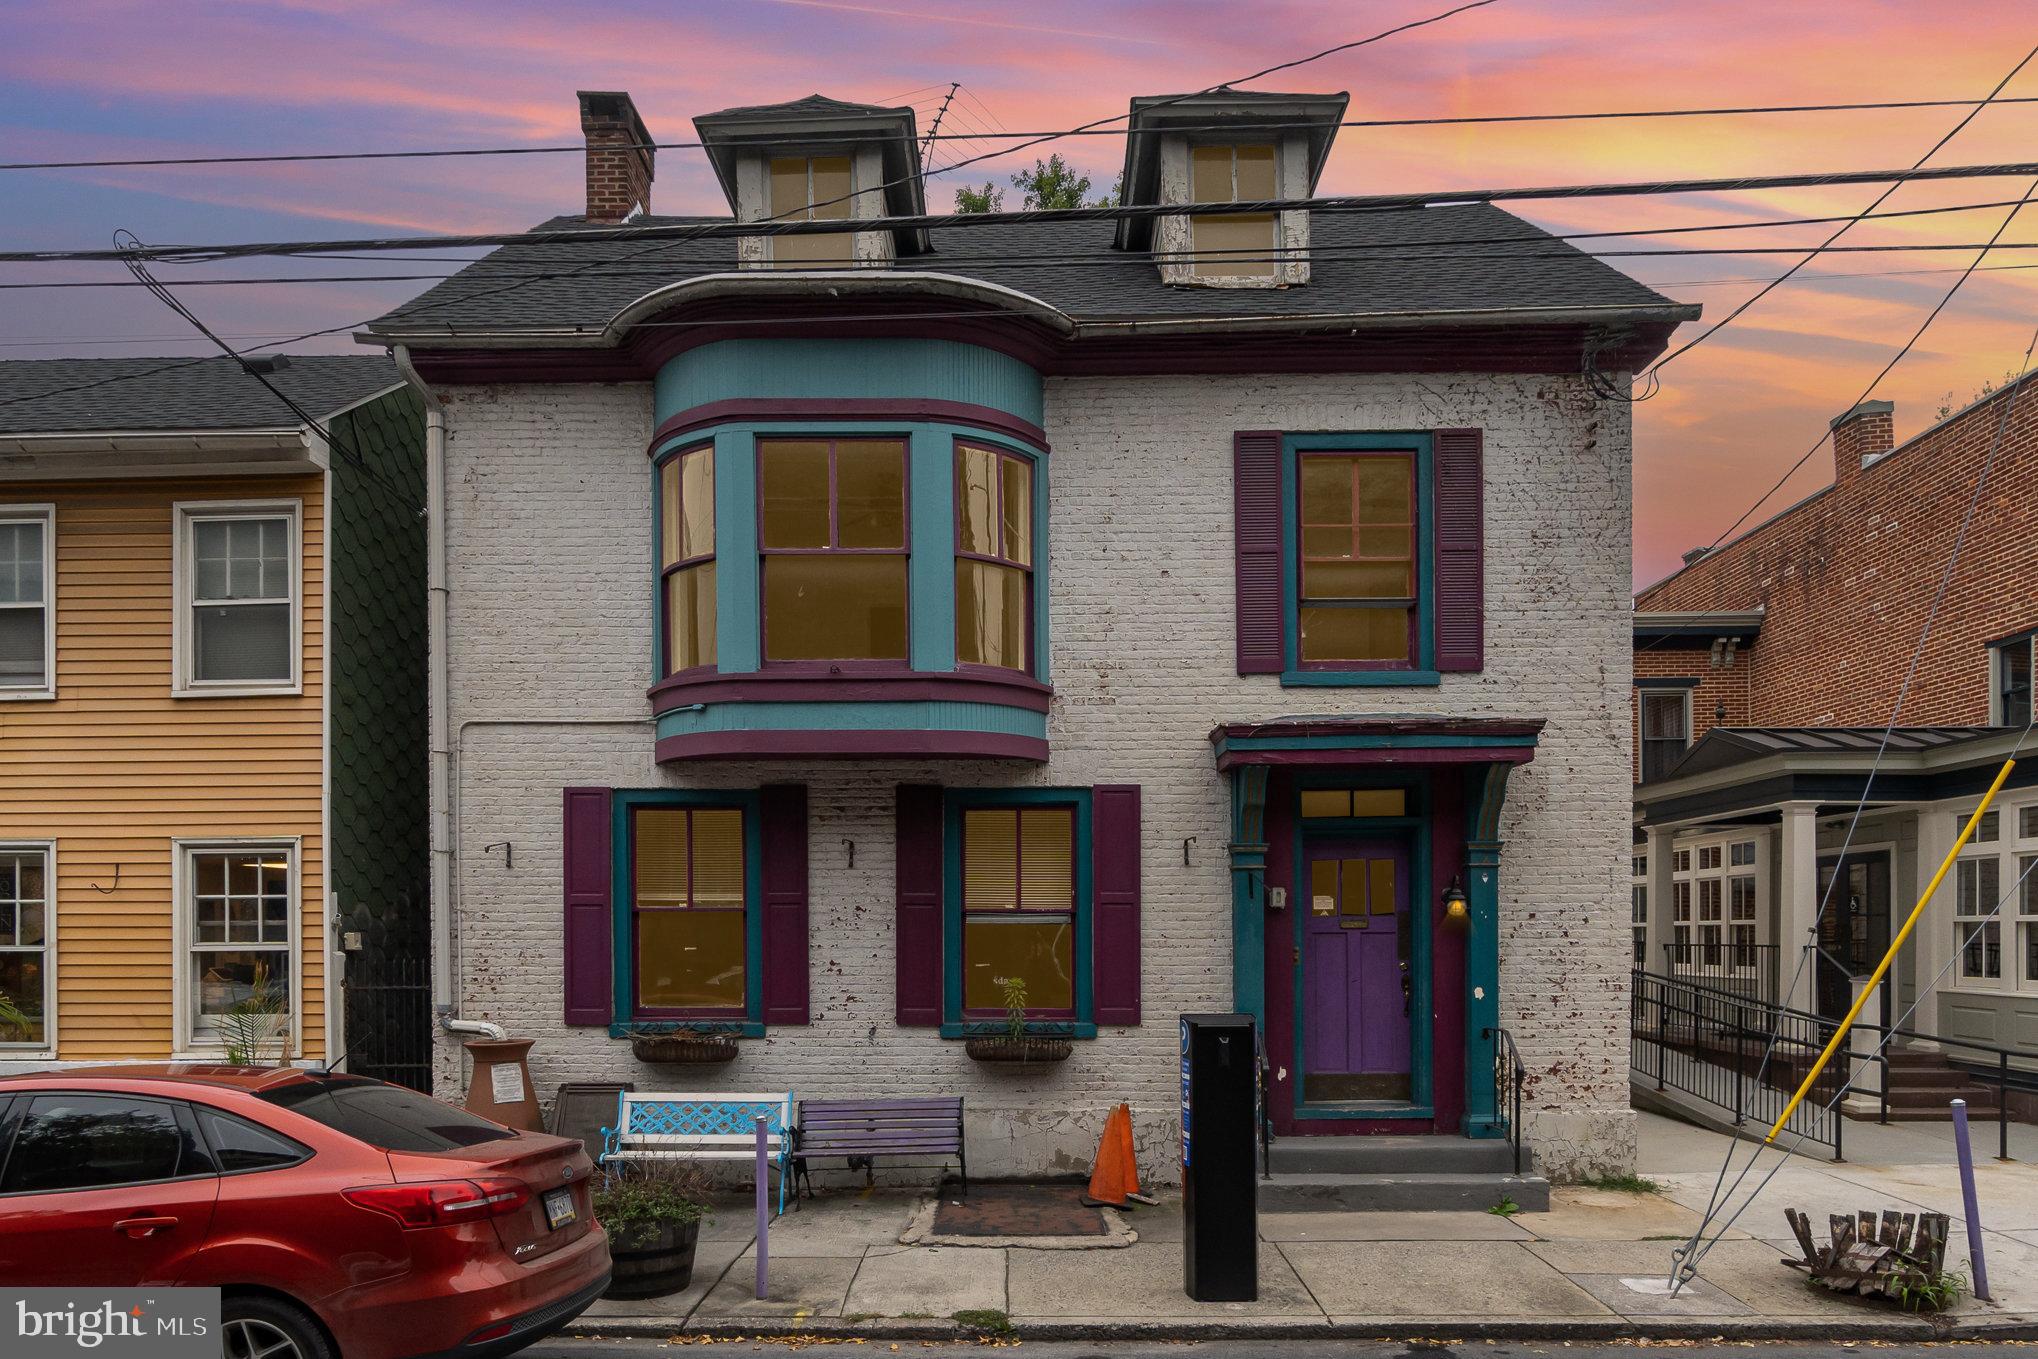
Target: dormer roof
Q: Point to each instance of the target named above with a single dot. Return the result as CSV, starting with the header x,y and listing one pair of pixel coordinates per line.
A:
x,y
1214,116
818,125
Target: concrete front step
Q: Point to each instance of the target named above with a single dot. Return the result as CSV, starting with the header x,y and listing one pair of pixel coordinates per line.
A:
x,y
1391,1155
1404,1193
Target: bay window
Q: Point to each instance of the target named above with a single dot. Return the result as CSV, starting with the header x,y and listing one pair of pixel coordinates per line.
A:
x,y
27,619
1717,898
686,490
689,910
1995,899
833,540
1235,245
1357,606
993,558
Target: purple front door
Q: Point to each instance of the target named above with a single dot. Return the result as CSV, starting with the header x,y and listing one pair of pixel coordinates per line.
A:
x,y
1355,972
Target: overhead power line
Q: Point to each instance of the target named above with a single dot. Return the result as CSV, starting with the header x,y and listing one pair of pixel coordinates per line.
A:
x,y
923,221
989,136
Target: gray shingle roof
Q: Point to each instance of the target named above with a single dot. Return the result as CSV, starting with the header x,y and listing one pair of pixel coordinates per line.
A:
x,y
1424,267
135,395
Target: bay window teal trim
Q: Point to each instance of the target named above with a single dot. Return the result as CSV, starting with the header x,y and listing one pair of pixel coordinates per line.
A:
x,y
738,598
930,505
1041,667
907,369
908,714
956,801
622,881
1422,671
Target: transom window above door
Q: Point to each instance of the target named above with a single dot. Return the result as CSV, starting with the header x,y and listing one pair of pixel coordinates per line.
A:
x,y
833,538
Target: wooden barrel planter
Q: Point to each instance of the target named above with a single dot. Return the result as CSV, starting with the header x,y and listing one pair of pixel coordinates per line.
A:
x,y
1018,1050
651,1262
683,1049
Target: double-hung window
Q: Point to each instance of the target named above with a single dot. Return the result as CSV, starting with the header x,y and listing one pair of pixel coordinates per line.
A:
x,y
2010,681
833,539
1022,932
237,598
27,979
1717,921
686,518
1638,909
1234,245
1666,730
811,189
27,589
1359,561
238,904
689,914
1977,896
993,558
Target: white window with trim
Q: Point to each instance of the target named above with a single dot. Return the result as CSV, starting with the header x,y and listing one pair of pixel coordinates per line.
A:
x,y
1721,896
28,609
1995,899
1638,908
28,982
239,592
237,947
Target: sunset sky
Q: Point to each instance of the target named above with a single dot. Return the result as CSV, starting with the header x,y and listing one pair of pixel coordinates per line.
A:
x,y
84,79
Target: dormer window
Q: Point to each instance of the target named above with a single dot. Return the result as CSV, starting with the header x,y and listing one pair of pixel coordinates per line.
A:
x,y
811,189
1245,245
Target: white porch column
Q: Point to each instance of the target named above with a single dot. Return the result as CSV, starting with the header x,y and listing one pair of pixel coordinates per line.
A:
x,y
1864,1087
1659,932
1931,944
1797,902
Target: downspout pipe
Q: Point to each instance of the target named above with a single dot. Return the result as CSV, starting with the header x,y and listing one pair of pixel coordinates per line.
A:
x,y
444,1002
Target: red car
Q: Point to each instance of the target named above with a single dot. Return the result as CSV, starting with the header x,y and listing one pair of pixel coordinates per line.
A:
x,y
343,1218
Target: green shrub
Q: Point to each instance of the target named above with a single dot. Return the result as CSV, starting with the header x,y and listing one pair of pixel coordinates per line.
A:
x,y
644,1197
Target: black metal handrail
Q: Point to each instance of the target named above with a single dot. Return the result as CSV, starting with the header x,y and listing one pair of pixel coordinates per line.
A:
x,y
1725,1021
1509,1075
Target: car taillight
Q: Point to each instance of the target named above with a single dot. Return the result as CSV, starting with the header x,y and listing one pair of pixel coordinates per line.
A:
x,y
443,1203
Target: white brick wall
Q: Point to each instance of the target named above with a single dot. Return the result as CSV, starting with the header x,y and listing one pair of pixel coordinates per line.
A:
x,y
548,522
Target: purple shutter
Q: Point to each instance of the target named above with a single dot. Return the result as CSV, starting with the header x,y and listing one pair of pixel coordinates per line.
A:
x,y
918,929
783,810
1114,891
1256,525
1460,550
590,926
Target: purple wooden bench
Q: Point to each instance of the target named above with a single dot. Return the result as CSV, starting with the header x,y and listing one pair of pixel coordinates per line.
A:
x,y
863,1130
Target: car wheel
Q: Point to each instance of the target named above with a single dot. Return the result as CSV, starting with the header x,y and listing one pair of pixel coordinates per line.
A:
x,y
254,1327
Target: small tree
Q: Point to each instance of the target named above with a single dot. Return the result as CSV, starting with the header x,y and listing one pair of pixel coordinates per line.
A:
x,y
249,1024
16,1024
987,198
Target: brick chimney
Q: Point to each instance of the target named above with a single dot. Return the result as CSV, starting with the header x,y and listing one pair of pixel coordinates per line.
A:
x,y
1860,437
619,156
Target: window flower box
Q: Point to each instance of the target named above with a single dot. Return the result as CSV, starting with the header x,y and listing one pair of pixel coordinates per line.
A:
x,y
683,1048
1032,1048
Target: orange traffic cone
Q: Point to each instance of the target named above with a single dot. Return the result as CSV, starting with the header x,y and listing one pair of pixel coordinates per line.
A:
x,y
1115,1177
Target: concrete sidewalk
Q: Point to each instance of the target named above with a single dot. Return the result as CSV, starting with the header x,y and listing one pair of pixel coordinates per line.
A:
x,y
1586,1268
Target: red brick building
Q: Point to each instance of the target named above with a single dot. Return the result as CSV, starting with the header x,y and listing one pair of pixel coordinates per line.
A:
x,y
1765,671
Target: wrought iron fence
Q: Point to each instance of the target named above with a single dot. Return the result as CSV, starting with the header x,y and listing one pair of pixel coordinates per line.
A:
x,y
1745,969
388,1019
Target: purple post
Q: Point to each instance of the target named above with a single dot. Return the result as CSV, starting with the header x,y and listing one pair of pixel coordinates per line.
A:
x,y
1967,1199
765,1199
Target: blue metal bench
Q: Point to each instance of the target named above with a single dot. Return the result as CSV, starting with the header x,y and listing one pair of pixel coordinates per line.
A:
x,y
657,1125
863,1130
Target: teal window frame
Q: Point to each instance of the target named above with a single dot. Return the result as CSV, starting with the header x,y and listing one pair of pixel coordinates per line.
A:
x,y
931,542
1414,830
1421,670
623,952
955,802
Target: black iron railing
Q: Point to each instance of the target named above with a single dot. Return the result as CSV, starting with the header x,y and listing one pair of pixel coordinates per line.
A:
x,y
1746,969
1509,1075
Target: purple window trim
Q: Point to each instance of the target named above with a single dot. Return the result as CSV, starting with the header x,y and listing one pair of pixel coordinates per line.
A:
x,y
786,683
589,932
1018,912
856,745
637,1008
782,810
1259,601
737,409
1115,904
1414,565
999,457
904,552
917,917
667,569
1388,755
1459,555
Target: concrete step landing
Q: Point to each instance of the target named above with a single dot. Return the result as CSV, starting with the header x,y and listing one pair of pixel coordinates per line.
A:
x,y
1400,1174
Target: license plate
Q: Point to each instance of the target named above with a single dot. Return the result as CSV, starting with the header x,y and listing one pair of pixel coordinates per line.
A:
x,y
559,1208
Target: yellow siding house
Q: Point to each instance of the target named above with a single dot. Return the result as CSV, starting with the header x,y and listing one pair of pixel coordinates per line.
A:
x,y
211,707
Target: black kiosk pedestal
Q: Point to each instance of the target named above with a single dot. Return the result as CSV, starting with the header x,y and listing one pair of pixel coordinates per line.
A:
x,y
1220,1196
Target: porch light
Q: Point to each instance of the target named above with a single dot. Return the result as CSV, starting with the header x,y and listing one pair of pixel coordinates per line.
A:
x,y
1456,916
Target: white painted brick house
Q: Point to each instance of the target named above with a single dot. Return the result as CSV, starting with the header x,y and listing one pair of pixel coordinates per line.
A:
x,y
833,634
